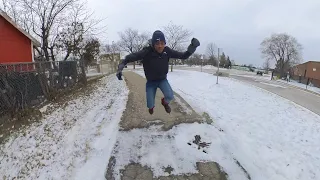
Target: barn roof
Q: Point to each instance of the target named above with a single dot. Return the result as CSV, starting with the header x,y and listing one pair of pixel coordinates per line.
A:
x,y
6,17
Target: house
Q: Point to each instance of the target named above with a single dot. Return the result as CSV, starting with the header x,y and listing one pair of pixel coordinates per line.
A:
x,y
105,58
16,45
308,72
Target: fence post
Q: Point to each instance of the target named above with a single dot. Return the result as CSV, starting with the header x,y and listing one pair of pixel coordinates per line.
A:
x,y
82,66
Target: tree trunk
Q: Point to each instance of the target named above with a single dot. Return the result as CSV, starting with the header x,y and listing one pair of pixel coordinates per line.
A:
x,y
45,46
52,55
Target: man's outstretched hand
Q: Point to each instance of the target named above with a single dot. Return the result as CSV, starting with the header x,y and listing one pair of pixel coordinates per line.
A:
x,y
193,46
119,72
195,42
119,75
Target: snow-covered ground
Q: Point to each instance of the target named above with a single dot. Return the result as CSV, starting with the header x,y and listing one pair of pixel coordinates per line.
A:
x,y
214,69
271,137
297,84
73,142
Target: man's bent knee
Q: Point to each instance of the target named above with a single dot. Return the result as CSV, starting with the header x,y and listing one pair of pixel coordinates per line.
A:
x,y
169,96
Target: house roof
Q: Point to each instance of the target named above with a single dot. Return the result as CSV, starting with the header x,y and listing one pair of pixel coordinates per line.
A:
x,y
6,17
309,62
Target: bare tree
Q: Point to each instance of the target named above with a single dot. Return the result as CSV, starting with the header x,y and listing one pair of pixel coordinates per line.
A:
x,y
15,10
176,37
195,59
266,65
91,50
132,41
79,13
69,39
112,49
283,49
211,53
44,15
10,7
72,32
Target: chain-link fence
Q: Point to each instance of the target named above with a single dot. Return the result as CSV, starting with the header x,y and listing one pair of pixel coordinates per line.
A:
x,y
24,85
102,68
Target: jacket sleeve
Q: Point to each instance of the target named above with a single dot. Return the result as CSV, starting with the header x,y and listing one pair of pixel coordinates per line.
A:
x,y
178,55
136,56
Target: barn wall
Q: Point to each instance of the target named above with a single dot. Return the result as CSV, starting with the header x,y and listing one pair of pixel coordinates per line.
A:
x,y
14,46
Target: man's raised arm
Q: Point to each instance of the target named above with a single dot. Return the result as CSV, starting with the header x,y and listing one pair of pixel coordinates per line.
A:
x,y
185,55
136,56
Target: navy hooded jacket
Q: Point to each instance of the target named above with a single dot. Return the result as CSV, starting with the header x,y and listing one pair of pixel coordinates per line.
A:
x,y
155,65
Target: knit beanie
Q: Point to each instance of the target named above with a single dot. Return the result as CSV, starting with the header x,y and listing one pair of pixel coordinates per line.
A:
x,y
158,36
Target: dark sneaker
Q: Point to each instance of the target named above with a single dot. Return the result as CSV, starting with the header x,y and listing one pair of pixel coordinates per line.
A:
x,y
151,110
165,105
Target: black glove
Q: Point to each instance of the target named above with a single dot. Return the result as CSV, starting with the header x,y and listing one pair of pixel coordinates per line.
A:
x,y
195,42
119,75
193,46
119,72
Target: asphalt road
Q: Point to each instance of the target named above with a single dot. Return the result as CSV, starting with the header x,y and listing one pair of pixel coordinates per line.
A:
x,y
299,96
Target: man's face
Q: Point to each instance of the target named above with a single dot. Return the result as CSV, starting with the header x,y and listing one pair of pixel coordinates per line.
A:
x,y
159,46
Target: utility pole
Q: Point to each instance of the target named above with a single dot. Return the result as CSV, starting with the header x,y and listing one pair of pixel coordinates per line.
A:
x,y
201,62
218,64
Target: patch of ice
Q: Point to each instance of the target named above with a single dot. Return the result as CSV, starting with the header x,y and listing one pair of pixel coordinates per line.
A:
x,y
158,149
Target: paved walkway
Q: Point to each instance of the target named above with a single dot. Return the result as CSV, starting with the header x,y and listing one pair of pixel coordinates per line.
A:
x,y
137,116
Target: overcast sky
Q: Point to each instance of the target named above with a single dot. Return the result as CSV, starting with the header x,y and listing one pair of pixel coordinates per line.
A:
x,y
237,26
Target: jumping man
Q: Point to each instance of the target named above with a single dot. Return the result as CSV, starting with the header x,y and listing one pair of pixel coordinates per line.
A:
x,y
155,60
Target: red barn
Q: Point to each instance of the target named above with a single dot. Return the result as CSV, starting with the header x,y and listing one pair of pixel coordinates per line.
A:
x,y
16,45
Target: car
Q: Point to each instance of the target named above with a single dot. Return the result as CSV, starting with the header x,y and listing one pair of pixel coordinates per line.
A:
x,y
259,73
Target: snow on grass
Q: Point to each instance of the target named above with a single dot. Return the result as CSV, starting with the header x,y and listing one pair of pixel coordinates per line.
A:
x,y
185,108
271,137
213,70
74,141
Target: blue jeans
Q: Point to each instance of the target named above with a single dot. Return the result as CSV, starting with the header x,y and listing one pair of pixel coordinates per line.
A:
x,y
151,89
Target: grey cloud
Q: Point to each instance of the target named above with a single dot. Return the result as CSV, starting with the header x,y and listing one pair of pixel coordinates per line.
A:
x,y
237,26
